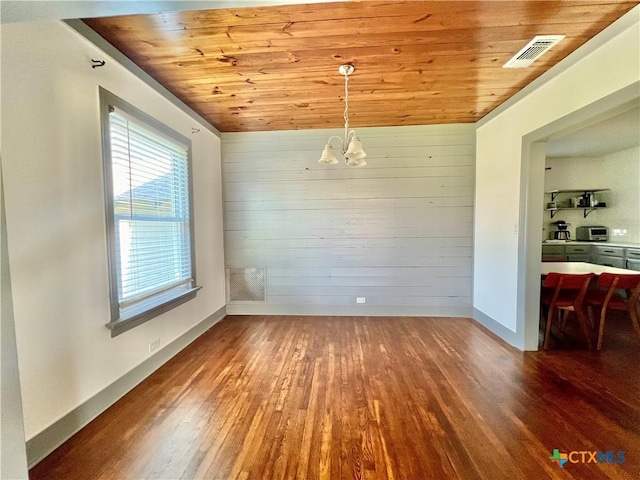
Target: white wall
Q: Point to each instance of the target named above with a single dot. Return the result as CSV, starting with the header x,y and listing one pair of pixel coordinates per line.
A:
x,y
619,172
499,156
13,455
52,168
397,232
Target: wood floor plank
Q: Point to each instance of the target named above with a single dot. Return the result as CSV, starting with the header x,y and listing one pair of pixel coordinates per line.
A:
x,y
269,397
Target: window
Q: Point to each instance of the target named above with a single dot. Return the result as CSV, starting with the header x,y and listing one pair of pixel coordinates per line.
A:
x,y
148,199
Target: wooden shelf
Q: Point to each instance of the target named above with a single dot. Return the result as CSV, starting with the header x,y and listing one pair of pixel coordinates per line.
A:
x,y
554,193
586,212
582,191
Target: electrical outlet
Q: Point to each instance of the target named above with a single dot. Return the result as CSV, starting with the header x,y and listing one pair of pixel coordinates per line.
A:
x,y
361,300
153,346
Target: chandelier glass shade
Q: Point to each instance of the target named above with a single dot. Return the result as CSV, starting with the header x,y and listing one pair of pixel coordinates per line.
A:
x,y
351,146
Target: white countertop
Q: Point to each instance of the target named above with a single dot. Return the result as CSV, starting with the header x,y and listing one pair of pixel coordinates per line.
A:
x,y
603,244
581,267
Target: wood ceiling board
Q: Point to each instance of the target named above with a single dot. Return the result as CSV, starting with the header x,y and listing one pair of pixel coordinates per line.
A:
x,y
368,68
315,57
328,114
269,68
210,45
438,15
236,103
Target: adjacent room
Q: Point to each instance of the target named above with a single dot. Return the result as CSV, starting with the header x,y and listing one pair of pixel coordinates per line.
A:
x,y
363,239
592,179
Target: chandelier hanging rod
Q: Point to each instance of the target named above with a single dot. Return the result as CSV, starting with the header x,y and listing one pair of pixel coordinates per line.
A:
x,y
351,146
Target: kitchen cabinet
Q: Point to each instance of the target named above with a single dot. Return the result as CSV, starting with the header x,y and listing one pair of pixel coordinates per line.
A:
x,y
553,253
610,256
561,200
617,255
566,253
578,253
633,259
610,251
609,261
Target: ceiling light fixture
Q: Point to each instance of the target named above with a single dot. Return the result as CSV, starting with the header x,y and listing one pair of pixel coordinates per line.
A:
x,y
352,149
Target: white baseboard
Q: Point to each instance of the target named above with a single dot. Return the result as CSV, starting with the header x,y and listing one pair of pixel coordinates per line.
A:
x,y
500,330
348,310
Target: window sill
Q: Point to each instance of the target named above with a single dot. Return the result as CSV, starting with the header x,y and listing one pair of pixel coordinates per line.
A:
x,y
123,324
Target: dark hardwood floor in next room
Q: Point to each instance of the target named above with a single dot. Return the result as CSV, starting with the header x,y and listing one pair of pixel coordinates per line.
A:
x,y
371,398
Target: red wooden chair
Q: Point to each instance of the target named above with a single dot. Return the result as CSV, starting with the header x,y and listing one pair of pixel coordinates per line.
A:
x,y
608,296
563,292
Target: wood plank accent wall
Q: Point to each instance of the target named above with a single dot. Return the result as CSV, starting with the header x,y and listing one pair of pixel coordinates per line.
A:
x,y
398,231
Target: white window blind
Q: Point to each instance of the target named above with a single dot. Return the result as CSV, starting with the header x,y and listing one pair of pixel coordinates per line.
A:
x,y
150,186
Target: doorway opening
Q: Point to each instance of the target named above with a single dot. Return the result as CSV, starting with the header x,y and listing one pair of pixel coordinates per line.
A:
x,y
532,199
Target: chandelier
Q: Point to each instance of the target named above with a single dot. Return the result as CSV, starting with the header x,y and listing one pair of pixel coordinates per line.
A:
x,y
351,147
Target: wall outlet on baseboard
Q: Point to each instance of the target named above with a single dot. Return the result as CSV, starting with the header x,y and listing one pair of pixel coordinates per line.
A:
x,y
361,300
153,346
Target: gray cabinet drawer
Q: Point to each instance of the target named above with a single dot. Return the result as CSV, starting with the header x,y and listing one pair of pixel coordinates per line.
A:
x,y
571,249
611,261
554,258
633,253
633,265
610,251
578,257
553,250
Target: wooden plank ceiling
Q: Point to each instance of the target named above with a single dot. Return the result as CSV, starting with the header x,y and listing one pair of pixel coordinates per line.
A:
x,y
276,68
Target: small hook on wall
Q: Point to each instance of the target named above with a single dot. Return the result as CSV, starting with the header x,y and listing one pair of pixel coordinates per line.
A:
x,y
97,63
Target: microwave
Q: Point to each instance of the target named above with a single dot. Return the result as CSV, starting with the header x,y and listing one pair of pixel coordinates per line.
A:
x,y
592,234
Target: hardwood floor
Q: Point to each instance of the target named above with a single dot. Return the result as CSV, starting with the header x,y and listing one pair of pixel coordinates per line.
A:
x,y
364,398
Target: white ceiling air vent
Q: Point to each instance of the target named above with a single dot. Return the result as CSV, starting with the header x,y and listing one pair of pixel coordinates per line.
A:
x,y
533,50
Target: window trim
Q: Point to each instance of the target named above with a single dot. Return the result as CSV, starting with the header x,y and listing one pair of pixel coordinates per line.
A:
x,y
119,325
